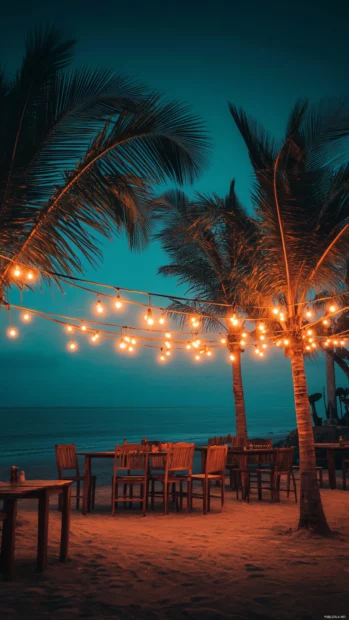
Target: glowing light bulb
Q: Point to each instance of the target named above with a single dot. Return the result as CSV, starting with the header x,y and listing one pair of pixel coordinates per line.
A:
x,y
244,335
342,342
30,275
17,272
130,349
26,317
198,341
133,341
234,320
257,351
325,322
281,316
198,358
196,324
326,344
162,358
149,317
309,332
308,313
242,342
208,353
195,344
308,347
122,344
168,335
223,341
99,307
97,336
278,343
332,308
188,346
314,345
335,342
261,327
83,328
118,302
12,332
275,311
261,354
264,346
167,344
286,342
168,353
262,337
69,328
72,345
232,357
310,339
162,319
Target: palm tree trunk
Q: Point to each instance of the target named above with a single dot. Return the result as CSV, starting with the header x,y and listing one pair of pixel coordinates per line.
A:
x,y
238,391
312,516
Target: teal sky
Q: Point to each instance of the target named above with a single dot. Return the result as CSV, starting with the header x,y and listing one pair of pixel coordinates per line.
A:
x,y
262,56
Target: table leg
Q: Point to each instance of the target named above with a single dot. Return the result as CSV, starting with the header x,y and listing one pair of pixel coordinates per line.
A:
x,y
43,515
203,461
8,539
87,486
331,468
66,497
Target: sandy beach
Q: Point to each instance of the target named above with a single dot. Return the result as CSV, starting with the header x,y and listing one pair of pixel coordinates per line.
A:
x,y
243,563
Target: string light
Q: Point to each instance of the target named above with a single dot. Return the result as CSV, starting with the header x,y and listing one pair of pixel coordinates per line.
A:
x,y
95,337
149,317
168,335
26,317
275,310
17,272
188,346
198,357
12,332
286,342
162,319
244,335
83,327
223,341
261,327
167,344
209,353
118,302
69,328
308,313
99,307
281,316
232,357
325,322
30,275
162,356
168,353
332,308
242,342
234,320
72,345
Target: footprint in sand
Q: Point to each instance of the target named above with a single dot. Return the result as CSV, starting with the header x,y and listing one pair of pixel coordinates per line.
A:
x,y
253,568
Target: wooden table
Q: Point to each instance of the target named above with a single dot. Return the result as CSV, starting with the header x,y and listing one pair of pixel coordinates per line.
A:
x,y
331,449
241,452
108,454
11,492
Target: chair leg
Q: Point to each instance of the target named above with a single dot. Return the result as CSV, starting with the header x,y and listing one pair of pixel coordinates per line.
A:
x,y
259,484
166,490
145,494
222,492
181,495
131,496
77,494
288,483
344,478
209,494
294,487
113,496
278,480
60,502
125,494
205,494
93,491
189,492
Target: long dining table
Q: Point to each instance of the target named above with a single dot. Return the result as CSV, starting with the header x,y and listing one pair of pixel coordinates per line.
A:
x,y
109,454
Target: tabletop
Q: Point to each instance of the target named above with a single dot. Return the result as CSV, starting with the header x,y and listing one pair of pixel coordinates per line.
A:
x,y
331,446
20,489
240,450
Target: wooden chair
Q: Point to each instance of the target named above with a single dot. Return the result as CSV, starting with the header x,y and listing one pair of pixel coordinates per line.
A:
x,y
216,462
319,473
67,460
130,469
178,470
282,467
345,464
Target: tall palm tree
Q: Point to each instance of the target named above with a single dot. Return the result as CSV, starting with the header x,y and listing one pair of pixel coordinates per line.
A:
x,y
80,152
210,241
302,205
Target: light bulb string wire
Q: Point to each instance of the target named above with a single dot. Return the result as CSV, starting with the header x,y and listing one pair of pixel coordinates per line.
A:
x,y
73,280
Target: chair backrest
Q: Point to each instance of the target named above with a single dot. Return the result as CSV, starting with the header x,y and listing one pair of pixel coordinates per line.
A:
x,y
131,457
216,459
180,457
260,443
219,441
66,458
283,459
238,442
146,442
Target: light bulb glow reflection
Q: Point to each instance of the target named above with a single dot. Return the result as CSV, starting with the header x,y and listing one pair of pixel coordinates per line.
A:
x,y
12,332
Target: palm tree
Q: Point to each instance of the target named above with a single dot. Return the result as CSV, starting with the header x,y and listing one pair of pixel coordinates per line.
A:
x,y
302,205
80,152
209,241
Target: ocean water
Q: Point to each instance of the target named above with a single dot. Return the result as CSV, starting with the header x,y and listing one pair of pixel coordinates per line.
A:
x,y
28,435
